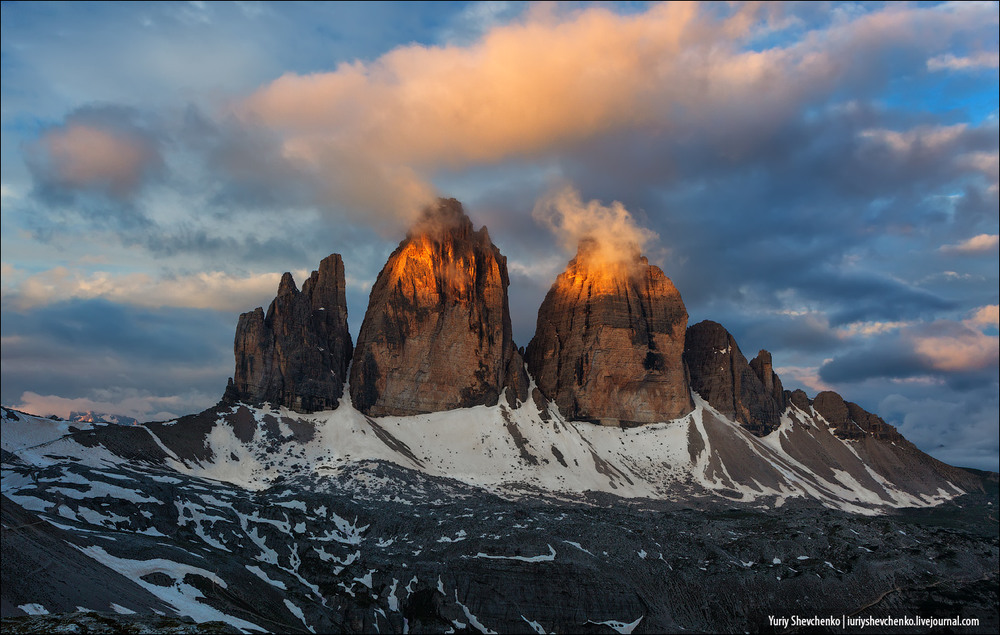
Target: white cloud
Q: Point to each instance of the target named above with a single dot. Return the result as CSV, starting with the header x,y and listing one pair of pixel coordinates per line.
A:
x,y
949,62
867,329
615,235
976,245
211,290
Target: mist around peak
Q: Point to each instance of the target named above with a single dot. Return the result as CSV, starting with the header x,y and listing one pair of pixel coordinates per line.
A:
x,y
604,237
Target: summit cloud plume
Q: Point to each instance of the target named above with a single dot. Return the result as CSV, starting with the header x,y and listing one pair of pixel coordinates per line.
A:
x,y
612,234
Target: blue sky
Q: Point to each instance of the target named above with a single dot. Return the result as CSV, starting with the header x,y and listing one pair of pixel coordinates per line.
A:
x,y
819,178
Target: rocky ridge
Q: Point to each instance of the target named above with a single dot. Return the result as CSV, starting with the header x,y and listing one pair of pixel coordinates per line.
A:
x,y
851,421
297,354
611,346
94,522
609,343
747,392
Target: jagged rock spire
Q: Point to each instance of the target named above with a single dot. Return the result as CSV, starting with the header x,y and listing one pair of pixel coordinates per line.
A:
x,y
297,354
749,393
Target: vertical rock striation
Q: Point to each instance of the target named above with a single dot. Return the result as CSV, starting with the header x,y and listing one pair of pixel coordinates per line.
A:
x,y
609,343
297,354
437,332
749,393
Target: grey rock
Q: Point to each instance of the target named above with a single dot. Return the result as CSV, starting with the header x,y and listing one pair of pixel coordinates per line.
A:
x,y
751,395
437,334
298,353
609,343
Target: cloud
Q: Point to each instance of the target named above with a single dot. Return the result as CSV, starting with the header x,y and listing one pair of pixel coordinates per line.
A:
x,y
867,329
958,431
106,352
95,150
986,316
610,232
961,346
977,61
554,79
807,376
883,359
210,290
982,243
951,350
957,348
921,139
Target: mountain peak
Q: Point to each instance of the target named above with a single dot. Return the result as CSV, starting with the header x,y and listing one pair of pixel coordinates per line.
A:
x,y
287,285
444,218
297,354
609,342
747,392
437,334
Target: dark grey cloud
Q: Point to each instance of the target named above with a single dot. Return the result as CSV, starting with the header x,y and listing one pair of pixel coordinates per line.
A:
x,y
961,432
776,332
99,327
961,357
890,359
84,348
240,166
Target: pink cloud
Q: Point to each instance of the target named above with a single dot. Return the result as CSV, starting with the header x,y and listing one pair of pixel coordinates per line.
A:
x,y
143,408
982,243
376,132
82,156
955,347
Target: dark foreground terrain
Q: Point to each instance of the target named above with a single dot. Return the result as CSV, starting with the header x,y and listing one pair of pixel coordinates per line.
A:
x,y
379,548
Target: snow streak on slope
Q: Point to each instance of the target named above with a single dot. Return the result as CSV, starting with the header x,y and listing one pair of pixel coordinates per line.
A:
x,y
335,522
528,450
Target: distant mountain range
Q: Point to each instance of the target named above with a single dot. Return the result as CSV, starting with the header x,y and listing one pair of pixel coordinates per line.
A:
x,y
90,416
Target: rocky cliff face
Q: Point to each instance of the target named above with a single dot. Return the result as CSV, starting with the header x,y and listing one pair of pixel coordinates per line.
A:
x,y
297,354
609,343
437,332
747,392
763,368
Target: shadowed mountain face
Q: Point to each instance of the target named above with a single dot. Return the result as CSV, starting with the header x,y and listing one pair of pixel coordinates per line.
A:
x,y
296,355
749,393
437,332
609,343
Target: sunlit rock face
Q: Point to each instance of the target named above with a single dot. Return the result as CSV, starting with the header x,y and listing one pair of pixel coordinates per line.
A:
x,y
609,343
437,332
297,354
747,392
